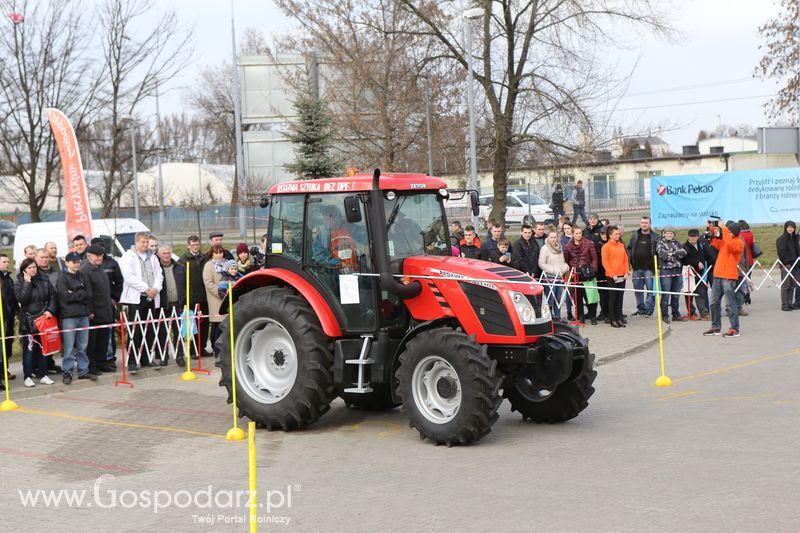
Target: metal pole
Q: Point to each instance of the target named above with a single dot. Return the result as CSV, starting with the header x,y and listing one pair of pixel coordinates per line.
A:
x,y
473,161
237,120
161,224
135,174
428,123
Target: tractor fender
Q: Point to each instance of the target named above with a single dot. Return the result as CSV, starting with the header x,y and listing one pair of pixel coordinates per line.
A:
x,y
410,334
273,276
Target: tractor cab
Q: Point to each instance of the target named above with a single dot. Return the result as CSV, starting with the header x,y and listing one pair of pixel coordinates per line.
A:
x,y
360,297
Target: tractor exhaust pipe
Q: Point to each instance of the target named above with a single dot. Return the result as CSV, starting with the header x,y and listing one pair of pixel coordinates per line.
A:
x,y
380,250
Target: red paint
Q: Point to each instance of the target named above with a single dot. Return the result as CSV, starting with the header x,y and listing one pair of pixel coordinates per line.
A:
x,y
361,182
264,277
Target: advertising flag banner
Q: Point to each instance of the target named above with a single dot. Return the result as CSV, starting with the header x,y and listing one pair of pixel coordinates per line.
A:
x,y
78,212
769,196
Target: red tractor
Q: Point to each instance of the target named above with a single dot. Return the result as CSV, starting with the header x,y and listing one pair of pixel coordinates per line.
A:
x,y
361,298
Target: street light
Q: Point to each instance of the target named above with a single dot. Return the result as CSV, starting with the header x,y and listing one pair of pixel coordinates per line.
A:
x,y
132,125
426,80
469,16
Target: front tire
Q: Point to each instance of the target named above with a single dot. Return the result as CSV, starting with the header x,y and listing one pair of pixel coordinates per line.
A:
x,y
5,240
449,386
284,361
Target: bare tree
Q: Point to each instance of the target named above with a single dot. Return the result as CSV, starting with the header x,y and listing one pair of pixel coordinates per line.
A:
x,y
376,71
198,200
43,63
139,55
538,65
780,61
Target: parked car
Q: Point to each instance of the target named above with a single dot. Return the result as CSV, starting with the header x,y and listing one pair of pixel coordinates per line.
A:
x,y
7,232
521,208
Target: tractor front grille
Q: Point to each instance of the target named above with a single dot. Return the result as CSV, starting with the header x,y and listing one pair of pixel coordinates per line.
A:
x,y
489,308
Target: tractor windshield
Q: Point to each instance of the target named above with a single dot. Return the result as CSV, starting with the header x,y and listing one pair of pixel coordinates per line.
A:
x,y
415,224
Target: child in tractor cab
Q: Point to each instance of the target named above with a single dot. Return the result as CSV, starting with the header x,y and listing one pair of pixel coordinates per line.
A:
x,y
230,273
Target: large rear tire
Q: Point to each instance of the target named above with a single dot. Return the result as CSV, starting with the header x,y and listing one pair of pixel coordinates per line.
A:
x,y
449,386
284,361
559,404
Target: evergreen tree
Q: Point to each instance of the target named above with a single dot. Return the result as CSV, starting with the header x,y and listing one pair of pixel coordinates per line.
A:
x,y
312,137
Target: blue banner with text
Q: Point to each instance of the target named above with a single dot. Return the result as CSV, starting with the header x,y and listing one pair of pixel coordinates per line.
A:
x,y
758,196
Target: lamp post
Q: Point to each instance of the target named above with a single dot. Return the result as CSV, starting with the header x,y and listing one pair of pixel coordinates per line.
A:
x,y
132,125
427,87
469,16
237,120
161,224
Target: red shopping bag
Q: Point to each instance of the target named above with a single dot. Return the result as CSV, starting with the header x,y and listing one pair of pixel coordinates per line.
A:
x,y
49,335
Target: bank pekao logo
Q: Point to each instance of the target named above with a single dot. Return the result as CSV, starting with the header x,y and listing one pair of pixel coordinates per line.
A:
x,y
684,189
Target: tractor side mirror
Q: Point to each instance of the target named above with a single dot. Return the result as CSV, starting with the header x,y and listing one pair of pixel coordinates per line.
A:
x,y
476,208
352,209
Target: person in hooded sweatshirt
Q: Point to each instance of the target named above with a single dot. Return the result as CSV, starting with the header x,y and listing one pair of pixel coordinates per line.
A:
x,y
788,252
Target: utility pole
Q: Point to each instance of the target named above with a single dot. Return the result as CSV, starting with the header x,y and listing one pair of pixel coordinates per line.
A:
x,y
135,174
161,224
469,15
237,120
427,82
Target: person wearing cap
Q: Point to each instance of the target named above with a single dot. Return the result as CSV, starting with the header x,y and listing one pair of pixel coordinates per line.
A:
x,y
172,300
102,311
788,247
215,239
729,246
141,288
593,228
74,294
112,271
579,203
193,261
697,300
670,273
244,262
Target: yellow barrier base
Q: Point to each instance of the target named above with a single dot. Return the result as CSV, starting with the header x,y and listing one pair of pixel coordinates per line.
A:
x,y
235,434
663,381
8,405
188,376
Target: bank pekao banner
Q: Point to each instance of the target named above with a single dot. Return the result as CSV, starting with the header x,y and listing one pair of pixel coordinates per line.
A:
x,y
758,196
78,212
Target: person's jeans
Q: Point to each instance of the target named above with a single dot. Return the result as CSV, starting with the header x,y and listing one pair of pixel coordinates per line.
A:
x,y
726,287
75,341
552,291
34,364
645,302
670,280
579,211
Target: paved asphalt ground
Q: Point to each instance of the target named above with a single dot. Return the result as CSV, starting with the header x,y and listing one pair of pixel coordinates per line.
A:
x,y
715,452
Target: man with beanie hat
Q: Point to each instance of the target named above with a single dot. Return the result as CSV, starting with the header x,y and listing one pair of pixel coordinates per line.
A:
x,y
670,271
725,239
788,252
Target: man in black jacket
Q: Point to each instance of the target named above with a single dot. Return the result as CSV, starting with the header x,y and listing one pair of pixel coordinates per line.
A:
x,y
75,310
788,252
194,261
10,309
642,251
102,311
489,246
593,228
525,252
696,259
173,298
115,281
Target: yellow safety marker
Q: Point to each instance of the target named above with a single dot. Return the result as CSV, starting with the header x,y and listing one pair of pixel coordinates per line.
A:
x,y
188,375
251,432
235,433
663,380
7,404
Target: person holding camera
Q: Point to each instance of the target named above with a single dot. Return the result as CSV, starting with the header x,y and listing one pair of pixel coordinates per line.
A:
x,y
729,247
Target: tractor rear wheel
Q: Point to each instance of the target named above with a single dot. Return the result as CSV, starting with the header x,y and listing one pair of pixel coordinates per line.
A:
x,y
558,404
284,362
449,386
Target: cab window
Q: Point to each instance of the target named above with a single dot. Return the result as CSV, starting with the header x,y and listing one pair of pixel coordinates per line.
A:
x,y
286,223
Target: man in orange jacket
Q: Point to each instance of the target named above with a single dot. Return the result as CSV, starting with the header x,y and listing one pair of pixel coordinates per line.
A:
x,y
726,240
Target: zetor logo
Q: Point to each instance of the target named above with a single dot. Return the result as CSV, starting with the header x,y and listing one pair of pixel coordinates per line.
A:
x,y
684,189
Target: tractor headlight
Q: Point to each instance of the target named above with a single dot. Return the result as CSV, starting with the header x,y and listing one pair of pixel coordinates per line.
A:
x,y
545,311
525,310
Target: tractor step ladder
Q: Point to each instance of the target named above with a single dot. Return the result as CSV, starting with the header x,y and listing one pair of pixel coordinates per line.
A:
x,y
362,360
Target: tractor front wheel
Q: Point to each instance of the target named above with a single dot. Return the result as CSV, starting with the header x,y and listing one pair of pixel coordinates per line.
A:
x,y
449,386
284,361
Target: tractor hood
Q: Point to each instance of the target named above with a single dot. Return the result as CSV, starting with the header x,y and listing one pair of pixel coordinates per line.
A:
x,y
483,273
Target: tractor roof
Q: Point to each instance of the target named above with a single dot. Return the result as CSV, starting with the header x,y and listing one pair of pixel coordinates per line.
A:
x,y
361,182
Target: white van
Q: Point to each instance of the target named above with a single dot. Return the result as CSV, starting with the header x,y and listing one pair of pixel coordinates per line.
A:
x,y
119,232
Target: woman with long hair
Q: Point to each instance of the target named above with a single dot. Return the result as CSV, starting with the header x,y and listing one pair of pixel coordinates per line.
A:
x,y
551,261
212,275
615,262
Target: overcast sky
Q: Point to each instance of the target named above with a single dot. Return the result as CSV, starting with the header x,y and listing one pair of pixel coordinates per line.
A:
x,y
717,49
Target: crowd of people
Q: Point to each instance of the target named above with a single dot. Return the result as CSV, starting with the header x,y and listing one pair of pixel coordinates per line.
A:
x,y
87,289
593,265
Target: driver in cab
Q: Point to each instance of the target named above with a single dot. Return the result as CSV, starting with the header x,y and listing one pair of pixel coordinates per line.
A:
x,y
334,247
